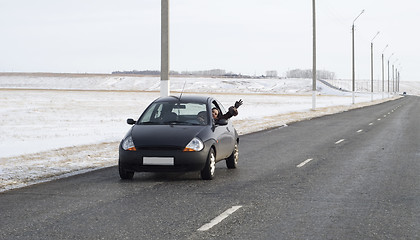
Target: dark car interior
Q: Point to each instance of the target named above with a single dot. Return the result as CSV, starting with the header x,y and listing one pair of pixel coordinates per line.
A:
x,y
175,113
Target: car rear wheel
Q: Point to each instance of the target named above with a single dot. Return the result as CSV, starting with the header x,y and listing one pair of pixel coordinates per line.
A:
x,y
232,160
124,174
208,171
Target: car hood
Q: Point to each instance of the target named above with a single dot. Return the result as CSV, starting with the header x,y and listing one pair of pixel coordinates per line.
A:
x,y
164,135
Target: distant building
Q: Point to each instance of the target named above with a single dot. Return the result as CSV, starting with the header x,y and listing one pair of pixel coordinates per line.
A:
x,y
272,73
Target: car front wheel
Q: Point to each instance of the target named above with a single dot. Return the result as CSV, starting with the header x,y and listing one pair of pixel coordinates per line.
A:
x,y
124,174
208,171
232,160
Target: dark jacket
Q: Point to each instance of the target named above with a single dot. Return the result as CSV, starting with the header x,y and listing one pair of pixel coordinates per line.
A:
x,y
230,113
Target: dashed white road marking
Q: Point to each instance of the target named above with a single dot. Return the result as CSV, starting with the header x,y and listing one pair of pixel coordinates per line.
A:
x,y
339,141
219,218
361,130
304,162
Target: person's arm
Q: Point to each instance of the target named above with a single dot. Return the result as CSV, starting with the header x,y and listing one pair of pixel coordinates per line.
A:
x,y
233,110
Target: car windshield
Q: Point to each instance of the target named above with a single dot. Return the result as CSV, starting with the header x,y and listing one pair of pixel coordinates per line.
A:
x,y
169,113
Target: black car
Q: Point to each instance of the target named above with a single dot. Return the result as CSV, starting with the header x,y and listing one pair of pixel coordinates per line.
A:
x,y
178,134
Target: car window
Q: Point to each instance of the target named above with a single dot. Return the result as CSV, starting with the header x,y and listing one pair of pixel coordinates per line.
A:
x,y
218,105
175,113
153,112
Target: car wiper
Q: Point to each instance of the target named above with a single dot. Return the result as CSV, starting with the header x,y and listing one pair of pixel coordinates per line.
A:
x,y
176,122
149,123
168,123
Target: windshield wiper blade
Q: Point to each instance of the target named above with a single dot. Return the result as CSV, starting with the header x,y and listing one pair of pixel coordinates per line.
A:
x,y
176,122
149,123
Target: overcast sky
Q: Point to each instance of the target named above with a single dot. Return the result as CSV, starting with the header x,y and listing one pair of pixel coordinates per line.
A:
x,y
242,36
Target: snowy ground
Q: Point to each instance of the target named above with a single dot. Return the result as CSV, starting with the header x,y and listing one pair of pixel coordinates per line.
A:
x,y
55,125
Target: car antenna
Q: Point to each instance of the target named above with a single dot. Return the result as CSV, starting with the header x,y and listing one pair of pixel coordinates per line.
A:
x,y
182,90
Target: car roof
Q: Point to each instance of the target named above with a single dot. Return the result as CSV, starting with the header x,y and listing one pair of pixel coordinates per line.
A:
x,y
184,99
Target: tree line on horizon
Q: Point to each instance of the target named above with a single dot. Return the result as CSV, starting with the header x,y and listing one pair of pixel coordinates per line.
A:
x,y
207,73
307,73
212,72
295,73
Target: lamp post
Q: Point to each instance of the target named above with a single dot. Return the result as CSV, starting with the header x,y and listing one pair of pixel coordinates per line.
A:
x,y
164,48
383,82
398,77
371,66
393,77
313,56
388,71
353,67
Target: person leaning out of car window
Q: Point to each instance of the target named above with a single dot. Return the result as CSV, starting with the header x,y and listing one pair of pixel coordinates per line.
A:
x,y
233,111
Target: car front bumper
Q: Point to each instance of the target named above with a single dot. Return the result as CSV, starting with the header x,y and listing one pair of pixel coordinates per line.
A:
x,y
182,161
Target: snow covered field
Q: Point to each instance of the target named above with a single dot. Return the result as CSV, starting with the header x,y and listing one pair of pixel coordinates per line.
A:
x,y
55,125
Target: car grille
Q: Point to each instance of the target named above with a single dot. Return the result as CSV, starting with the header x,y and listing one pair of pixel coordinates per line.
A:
x,y
160,148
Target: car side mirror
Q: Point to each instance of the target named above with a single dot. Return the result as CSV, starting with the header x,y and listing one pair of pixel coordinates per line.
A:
x,y
131,121
222,122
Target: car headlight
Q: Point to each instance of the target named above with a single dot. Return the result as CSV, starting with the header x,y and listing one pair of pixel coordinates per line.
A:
x,y
128,144
195,145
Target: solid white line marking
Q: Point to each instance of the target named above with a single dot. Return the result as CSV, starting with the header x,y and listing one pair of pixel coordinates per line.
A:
x,y
219,218
361,130
304,162
339,141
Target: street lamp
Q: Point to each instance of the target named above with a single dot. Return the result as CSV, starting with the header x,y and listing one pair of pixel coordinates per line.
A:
x,y
371,65
164,57
313,56
353,70
398,77
388,71
383,86
393,78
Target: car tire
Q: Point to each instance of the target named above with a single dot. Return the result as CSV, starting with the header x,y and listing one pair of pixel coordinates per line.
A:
x,y
232,160
209,169
124,174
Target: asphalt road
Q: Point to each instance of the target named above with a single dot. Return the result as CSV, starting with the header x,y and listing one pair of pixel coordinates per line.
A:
x,y
353,175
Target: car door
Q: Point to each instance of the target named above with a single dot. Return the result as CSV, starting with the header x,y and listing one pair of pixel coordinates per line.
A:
x,y
225,135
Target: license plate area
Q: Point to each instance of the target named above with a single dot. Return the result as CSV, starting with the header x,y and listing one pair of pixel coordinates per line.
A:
x,y
163,161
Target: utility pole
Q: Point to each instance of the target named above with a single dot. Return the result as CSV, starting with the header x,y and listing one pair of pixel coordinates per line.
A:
x,y
393,85
393,77
313,56
388,71
383,81
164,55
353,67
371,66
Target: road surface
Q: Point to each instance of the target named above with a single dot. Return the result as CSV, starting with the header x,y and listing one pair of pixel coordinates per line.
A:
x,y
353,175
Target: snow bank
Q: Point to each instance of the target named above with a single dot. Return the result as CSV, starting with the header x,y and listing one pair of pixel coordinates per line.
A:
x,y
56,125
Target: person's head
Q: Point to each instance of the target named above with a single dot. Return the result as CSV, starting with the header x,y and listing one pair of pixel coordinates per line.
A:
x,y
215,113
